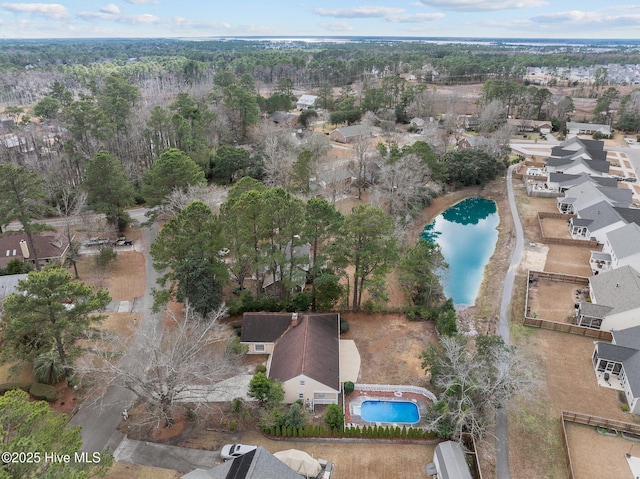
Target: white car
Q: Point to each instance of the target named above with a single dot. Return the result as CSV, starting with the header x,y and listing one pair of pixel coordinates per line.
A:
x,y
231,451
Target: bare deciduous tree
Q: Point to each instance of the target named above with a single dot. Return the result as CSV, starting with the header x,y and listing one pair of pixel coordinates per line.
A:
x,y
474,382
359,166
164,362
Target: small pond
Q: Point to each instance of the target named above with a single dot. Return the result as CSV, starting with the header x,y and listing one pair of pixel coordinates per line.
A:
x,y
467,234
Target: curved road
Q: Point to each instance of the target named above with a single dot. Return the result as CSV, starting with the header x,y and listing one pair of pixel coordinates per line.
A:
x,y
502,444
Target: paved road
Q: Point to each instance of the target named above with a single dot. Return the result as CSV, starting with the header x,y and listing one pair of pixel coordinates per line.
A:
x,y
502,444
99,420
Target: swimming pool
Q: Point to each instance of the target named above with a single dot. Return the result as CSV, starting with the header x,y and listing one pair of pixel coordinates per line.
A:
x,y
404,412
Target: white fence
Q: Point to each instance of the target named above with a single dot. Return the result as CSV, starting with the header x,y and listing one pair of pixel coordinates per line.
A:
x,y
396,388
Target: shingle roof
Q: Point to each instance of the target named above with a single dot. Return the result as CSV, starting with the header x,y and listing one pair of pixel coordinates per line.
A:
x,y
601,214
264,327
629,215
47,247
257,464
312,348
594,310
629,337
451,461
354,130
588,193
617,288
625,241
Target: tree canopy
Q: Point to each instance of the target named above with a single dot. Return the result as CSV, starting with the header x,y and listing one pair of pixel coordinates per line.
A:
x,y
173,169
471,167
32,427
50,310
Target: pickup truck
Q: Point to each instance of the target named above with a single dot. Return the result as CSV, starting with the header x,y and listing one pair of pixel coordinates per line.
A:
x,y
122,241
95,241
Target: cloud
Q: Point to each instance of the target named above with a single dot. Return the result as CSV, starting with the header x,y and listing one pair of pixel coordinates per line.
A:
x,y
586,19
359,12
479,5
110,9
140,2
417,18
54,11
337,26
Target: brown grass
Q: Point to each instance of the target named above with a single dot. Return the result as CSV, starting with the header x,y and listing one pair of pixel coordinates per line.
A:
x,y
122,470
125,279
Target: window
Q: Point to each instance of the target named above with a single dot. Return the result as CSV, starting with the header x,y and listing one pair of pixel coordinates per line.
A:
x,y
302,382
300,395
259,348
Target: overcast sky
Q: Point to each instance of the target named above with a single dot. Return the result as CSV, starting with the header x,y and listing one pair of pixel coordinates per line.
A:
x,y
426,18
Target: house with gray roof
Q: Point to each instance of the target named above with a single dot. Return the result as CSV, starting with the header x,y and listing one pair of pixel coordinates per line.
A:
x,y
617,364
588,193
575,128
595,221
621,248
449,462
615,300
256,464
578,166
574,148
562,181
306,101
347,134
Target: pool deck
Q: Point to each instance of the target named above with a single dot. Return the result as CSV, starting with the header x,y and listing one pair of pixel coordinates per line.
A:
x,y
356,398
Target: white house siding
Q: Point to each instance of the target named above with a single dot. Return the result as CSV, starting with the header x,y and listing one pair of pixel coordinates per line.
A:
x,y
623,320
601,234
310,389
268,348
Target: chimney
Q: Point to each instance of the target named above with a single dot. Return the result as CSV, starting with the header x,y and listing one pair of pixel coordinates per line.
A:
x,y
25,249
294,320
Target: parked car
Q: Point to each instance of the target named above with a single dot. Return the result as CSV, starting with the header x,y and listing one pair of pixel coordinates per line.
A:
x,y
231,451
122,241
95,241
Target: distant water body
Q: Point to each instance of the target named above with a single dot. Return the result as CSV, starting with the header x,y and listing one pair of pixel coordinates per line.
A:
x,y
467,236
598,42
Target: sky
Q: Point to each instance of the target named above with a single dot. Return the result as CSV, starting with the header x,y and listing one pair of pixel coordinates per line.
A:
x,y
591,19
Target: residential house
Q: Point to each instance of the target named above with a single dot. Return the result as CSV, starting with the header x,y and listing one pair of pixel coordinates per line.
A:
x,y
562,181
617,364
595,221
347,134
49,248
306,101
578,166
306,359
621,248
260,331
544,127
256,464
588,193
615,300
449,462
282,118
9,283
293,272
471,122
575,128
304,353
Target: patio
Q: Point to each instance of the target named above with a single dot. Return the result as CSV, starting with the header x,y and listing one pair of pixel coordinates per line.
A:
x,y
354,401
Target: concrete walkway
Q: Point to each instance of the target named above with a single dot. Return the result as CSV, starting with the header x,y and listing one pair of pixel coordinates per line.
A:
x,y
180,459
502,444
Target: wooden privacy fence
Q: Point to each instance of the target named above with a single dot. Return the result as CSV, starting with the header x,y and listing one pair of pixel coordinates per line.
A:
x,y
588,420
533,276
567,328
563,241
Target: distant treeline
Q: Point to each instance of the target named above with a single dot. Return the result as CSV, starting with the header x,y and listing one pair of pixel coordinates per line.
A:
x,y
307,64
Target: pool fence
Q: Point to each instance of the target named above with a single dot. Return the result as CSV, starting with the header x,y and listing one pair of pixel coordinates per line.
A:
x,y
396,389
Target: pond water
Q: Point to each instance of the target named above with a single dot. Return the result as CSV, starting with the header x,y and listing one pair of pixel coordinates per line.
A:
x,y
467,236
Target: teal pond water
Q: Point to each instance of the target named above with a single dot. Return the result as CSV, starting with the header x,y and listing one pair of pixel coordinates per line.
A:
x,y
467,236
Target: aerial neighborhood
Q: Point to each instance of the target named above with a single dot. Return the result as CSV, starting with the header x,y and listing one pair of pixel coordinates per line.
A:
x,y
265,257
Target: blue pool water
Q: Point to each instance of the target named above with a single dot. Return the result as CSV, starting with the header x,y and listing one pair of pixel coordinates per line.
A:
x,y
467,236
390,411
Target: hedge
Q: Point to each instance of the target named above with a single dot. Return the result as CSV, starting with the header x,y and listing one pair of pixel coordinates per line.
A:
x,y
43,392
373,432
4,387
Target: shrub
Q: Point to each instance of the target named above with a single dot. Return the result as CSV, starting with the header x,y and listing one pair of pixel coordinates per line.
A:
x,y
43,392
344,326
237,404
334,417
4,387
348,387
261,368
47,368
624,408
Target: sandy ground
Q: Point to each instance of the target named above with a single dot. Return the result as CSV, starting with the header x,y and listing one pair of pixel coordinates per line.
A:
x,y
595,455
552,300
568,260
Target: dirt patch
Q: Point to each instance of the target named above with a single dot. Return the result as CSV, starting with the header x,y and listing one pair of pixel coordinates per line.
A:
x,y
555,228
553,300
597,455
569,260
122,470
124,279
